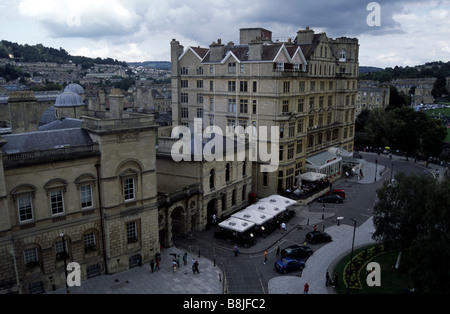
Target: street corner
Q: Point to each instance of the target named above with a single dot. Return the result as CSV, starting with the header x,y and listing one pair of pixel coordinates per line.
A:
x,y
285,285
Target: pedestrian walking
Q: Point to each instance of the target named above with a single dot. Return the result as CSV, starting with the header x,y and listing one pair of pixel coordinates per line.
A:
x,y
265,257
195,268
157,264
152,265
278,251
327,279
185,259
236,250
306,288
178,261
174,265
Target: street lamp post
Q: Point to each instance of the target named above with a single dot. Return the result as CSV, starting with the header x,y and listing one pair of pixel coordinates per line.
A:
x,y
65,261
376,164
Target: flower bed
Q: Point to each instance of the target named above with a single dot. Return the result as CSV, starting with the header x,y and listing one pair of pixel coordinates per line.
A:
x,y
352,274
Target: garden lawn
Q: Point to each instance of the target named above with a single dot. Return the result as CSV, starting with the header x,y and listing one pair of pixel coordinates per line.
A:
x,y
393,281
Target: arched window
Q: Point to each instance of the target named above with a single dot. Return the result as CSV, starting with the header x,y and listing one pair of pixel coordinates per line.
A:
x,y
227,172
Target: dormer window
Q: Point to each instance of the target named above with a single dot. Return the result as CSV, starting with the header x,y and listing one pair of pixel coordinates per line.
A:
x,y
342,56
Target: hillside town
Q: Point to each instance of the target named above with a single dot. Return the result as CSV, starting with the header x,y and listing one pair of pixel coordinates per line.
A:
x,y
88,172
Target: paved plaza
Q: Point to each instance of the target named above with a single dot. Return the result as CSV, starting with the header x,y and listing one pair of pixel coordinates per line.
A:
x,y
210,280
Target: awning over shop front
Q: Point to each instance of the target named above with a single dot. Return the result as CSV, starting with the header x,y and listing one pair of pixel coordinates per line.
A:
x,y
326,163
253,215
267,208
312,176
236,224
279,201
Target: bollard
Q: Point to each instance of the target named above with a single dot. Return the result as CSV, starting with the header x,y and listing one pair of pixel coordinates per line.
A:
x,y
220,277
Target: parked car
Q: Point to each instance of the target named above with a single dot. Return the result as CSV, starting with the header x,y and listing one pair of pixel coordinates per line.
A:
x,y
297,251
289,264
339,192
317,237
330,199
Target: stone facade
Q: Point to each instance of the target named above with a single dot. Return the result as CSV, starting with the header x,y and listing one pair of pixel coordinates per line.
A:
x,y
371,96
191,192
99,195
306,87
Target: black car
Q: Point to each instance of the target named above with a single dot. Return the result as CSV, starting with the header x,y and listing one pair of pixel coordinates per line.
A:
x,y
296,251
317,237
334,198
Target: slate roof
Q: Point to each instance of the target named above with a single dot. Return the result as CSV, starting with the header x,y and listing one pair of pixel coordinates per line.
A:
x,y
45,140
69,99
64,123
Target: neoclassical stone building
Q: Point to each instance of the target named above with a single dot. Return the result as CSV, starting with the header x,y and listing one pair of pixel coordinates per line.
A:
x,y
193,192
306,86
86,195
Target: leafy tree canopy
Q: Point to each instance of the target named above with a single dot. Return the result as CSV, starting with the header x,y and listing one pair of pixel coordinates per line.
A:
x,y
39,53
413,214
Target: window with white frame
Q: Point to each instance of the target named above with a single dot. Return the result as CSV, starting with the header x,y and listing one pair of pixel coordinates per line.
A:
x,y
86,196
231,105
57,202
342,55
25,208
232,67
128,189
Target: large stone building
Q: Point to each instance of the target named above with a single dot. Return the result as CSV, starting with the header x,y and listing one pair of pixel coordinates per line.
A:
x,y
306,87
192,191
371,95
418,88
85,195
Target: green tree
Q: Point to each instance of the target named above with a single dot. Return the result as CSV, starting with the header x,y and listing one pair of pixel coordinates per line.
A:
x,y
379,127
397,99
439,87
407,129
432,138
413,213
432,247
398,216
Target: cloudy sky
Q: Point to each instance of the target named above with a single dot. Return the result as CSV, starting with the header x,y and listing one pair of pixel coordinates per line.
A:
x,y
409,33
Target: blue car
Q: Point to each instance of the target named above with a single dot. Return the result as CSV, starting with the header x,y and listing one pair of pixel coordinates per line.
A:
x,y
289,264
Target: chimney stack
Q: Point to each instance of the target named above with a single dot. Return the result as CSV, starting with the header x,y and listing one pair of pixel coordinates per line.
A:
x,y
305,36
116,103
216,51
